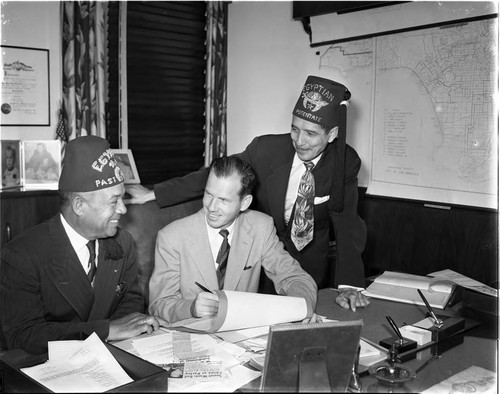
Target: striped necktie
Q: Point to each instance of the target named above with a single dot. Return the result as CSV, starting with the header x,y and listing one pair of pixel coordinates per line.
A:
x,y
222,258
92,265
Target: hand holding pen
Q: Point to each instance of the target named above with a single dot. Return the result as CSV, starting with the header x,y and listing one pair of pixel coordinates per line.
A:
x,y
206,303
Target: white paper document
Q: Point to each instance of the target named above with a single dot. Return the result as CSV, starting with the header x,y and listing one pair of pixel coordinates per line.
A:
x,y
471,380
239,310
465,281
90,368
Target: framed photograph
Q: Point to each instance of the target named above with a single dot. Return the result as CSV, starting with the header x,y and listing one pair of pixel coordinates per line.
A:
x,y
41,164
126,162
25,87
11,164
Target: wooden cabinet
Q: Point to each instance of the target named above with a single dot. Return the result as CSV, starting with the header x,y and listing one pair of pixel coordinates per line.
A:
x,y
21,210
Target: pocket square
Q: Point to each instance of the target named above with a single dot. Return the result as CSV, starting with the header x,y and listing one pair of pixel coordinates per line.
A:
x,y
321,200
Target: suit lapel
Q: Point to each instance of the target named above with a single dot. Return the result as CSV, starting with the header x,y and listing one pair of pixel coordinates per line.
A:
x,y
67,273
323,173
238,254
277,183
200,252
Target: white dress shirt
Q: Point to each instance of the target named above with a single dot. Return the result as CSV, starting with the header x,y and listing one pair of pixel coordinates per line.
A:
x,y
79,243
215,239
298,169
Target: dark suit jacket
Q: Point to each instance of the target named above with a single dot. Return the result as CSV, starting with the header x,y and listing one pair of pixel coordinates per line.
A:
x,y
271,157
45,293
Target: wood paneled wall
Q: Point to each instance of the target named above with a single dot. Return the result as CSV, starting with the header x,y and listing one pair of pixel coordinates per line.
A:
x,y
407,236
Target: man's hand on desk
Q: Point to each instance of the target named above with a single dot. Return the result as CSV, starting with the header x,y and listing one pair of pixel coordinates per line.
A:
x,y
205,304
139,194
352,299
133,325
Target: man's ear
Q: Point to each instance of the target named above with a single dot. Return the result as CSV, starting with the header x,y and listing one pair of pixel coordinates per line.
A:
x,y
78,205
245,202
333,133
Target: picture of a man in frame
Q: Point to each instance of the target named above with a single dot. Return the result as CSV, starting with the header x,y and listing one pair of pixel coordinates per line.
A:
x,y
42,162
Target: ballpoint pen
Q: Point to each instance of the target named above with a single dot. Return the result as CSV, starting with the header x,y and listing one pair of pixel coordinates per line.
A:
x,y
395,328
437,322
202,287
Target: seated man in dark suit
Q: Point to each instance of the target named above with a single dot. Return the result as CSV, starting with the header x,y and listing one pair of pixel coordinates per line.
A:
x,y
223,246
54,284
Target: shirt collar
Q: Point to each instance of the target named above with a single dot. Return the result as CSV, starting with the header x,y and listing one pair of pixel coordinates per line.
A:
x,y
214,232
77,241
297,162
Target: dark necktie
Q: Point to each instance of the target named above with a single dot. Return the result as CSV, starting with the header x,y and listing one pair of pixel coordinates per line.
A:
x,y
93,268
222,258
303,218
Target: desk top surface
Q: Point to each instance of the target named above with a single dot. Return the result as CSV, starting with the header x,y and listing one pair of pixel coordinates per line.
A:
x,y
479,346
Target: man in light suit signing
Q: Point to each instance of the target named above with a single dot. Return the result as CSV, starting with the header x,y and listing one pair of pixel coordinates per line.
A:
x,y
187,251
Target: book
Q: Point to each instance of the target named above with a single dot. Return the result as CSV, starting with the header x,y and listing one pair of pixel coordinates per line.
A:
x,y
400,287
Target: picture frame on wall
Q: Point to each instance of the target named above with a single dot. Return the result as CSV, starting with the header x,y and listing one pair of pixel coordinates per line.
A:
x,y
11,164
126,162
41,163
25,87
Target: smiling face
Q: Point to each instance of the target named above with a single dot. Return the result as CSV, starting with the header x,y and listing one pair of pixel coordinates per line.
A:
x,y
100,212
222,202
310,139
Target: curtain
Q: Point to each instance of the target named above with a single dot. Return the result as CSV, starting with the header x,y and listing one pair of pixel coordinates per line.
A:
x,y
216,81
84,67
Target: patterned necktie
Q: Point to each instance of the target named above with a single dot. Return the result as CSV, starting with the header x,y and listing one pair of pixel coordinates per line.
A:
x,y
222,258
93,268
303,218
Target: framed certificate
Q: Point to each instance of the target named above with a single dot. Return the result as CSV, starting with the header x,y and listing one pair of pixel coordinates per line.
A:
x,y
25,87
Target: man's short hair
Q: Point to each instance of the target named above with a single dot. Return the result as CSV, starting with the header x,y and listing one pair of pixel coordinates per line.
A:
x,y
224,167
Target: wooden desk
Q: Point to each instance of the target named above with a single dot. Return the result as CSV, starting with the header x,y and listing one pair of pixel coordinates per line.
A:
x,y
479,347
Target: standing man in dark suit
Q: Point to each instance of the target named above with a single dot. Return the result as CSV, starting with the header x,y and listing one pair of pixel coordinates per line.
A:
x,y
318,133
53,286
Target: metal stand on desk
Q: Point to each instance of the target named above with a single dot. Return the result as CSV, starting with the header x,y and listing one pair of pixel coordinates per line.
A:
x,y
313,375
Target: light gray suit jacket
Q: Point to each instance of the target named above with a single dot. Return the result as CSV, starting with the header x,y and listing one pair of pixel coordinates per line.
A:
x,y
183,257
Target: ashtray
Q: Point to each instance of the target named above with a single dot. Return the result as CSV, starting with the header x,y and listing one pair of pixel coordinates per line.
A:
x,y
395,374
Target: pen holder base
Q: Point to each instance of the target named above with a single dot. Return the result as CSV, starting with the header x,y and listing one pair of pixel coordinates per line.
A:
x,y
446,344
451,326
401,346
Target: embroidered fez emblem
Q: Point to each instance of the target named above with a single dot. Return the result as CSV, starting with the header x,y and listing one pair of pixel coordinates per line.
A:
x,y
313,101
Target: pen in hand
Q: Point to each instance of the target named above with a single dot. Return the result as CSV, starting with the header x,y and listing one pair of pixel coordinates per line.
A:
x,y
437,322
202,287
395,328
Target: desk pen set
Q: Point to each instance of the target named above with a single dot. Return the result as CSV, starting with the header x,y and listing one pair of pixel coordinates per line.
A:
x,y
431,329
440,333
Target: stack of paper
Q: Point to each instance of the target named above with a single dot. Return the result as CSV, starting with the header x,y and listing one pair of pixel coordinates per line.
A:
x,y
79,366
